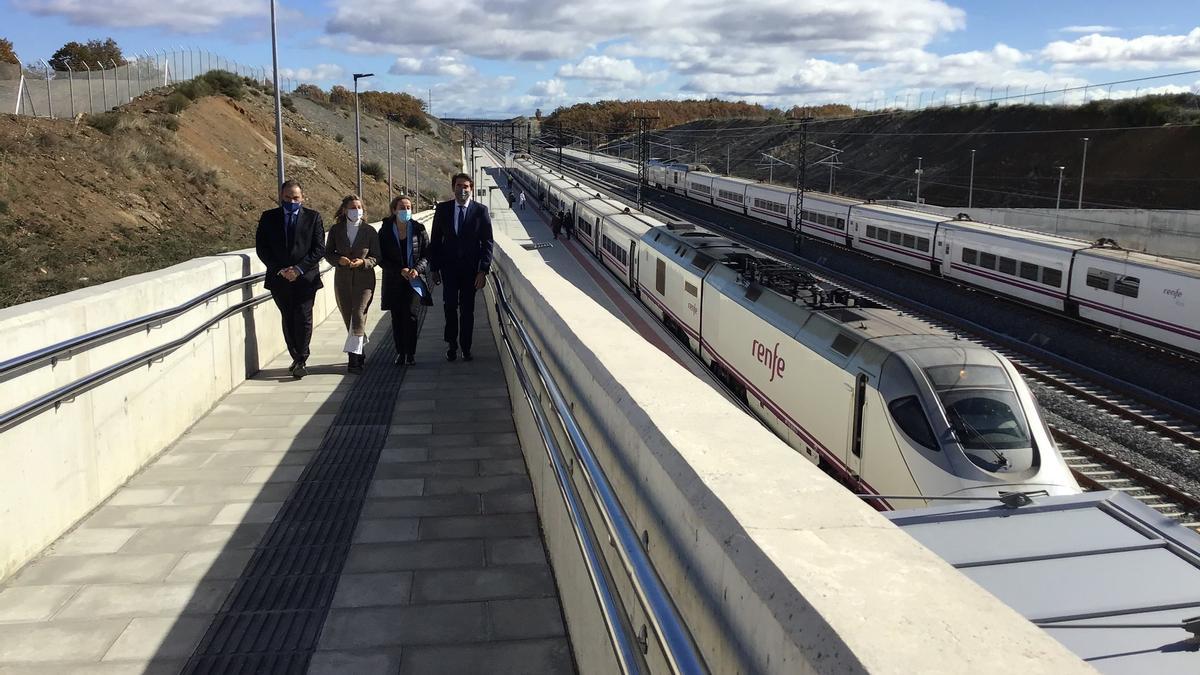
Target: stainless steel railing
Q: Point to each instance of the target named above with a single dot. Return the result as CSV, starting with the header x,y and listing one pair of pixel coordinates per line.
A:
x,y
678,647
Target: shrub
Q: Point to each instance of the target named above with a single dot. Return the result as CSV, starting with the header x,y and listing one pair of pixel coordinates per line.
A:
x,y
176,103
287,102
374,169
106,122
339,138
3,207
225,82
312,92
363,139
169,121
195,89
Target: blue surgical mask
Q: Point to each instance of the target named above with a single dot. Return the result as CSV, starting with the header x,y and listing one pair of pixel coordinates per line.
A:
x,y
291,208
404,214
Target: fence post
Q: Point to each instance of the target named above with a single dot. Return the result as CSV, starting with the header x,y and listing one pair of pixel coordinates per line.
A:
x,y
20,90
49,95
70,84
103,86
91,96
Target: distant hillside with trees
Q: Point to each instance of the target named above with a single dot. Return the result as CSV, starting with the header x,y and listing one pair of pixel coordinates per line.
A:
x,y
404,108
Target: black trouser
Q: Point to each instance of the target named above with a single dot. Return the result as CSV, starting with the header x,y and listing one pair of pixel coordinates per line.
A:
x,y
458,294
295,303
404,321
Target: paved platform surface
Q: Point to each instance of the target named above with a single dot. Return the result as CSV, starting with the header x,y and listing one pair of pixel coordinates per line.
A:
x,y
446,572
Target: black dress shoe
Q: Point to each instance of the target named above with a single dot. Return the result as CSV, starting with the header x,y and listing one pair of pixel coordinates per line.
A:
x,y
467,356
299,371
292,368
398,361
410,360
451,354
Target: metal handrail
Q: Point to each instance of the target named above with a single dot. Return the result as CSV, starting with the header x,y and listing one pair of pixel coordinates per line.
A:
x,y
67,392
25,362
678,645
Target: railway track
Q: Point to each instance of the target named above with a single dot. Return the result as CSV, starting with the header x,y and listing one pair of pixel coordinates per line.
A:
x,y
1094,468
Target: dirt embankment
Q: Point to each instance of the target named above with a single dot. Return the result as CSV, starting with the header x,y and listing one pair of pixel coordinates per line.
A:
x,y
81,205
1141,153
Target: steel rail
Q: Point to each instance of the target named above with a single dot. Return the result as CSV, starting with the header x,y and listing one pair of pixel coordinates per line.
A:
x,y
679,648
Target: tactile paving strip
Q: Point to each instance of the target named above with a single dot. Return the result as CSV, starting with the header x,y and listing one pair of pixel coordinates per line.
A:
x,y
272,619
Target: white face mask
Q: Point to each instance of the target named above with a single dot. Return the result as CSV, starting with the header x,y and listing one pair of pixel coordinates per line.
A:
x,y
353,215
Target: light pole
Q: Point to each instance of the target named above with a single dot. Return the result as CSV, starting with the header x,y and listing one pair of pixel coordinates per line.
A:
x,y
406,183
416,177
387,121
1082,172
918,172
358,133
1058,199
971,186
279,169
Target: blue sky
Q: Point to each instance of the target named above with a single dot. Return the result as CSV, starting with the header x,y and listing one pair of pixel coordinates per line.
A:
x,y
508,57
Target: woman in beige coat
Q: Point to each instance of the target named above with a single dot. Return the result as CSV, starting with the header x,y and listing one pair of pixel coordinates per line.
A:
x,y
352,247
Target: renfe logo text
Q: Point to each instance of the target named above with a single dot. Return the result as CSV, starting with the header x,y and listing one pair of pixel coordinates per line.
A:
x,y
770,358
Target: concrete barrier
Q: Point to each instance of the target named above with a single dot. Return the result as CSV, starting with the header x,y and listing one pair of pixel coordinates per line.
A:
x,y
774,567
63,463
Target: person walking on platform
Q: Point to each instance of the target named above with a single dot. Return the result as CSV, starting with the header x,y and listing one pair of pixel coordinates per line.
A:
x,y
521,200
290,241
569,225
511,198
460,253
404,256
352,248
556,224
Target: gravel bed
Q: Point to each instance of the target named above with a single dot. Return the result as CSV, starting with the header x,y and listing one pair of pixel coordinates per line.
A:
x,y
1149,452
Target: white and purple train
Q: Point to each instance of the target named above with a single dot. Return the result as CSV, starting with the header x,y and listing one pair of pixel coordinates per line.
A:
x,y
884,403
1145,295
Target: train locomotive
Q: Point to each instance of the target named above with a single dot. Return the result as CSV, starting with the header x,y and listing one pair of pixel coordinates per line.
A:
x,y
886,404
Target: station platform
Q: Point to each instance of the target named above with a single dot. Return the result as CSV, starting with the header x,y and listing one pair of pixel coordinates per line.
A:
x,y
373,523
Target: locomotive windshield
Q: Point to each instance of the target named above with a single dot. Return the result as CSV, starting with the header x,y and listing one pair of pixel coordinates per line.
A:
x,y
985,415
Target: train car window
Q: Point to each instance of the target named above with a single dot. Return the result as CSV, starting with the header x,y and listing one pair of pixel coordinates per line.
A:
x,y
1127,286
896,237
841,224
911,418
660,278
870,232
970,256
923,244
690,289
984,413
910,241
1098,278
1052,277
844,344
987,260
1029,271
1008,266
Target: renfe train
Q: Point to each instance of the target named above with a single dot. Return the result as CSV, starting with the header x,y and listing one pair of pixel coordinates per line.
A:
x,y
1149,296
884,403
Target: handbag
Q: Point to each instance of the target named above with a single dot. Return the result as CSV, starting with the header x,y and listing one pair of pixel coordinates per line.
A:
x,y
418,284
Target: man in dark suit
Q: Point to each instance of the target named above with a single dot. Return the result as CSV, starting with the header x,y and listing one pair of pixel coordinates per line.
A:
x,y
460,250
290,241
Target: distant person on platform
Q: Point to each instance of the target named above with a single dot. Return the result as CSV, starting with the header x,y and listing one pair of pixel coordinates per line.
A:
x,y
352,249
556,224
569,225
512,197
521,200
404,255
290,241
461,255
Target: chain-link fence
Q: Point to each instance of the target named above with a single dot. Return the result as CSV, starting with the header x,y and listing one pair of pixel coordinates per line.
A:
x,y
39,90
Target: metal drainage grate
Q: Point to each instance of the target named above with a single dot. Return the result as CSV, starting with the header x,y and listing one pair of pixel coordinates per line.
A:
x,y
272,619
536,246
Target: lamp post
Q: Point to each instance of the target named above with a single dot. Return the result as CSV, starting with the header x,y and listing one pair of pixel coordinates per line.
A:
x,y
416,177
1058,199
358,133
918,172
1082,172
279,169
387,121
406,183
971,187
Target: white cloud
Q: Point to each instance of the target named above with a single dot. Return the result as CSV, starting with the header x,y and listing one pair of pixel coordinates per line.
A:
x,y
1147,51
322,72
551,88
180,16
1087,29
444,65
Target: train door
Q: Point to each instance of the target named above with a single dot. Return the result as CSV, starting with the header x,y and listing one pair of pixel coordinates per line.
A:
x,y
633,263
854,458
939,249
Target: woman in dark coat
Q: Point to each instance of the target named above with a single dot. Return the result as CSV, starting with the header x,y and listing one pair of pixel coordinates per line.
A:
x,y
404,246
352,247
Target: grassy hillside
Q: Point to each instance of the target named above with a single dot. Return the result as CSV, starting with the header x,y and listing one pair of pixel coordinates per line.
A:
x,y
168,178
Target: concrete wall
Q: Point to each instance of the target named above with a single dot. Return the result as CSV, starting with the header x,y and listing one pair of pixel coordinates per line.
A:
x,y
1160,232
775,568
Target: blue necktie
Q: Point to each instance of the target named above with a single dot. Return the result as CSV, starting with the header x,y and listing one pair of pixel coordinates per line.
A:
x,y
289,226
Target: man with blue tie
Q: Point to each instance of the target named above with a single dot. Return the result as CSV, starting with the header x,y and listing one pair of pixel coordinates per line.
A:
x,y
290,241
460,253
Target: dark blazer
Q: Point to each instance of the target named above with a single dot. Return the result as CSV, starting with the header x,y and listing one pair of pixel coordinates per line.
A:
x,y
304,250
393,257
469,251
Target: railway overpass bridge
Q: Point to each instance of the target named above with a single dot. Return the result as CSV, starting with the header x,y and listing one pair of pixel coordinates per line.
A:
x,y
576,499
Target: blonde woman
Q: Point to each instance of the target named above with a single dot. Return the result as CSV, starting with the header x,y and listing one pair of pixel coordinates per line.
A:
x,y
352,247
